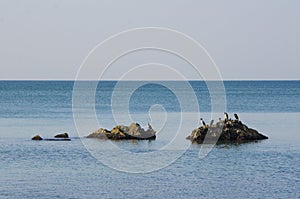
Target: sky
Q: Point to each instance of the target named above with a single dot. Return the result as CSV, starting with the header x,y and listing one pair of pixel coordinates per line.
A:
x,y
250,39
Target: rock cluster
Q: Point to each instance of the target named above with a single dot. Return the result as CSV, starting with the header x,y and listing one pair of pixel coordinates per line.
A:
x,y
227,131
58,137
224,131
121,132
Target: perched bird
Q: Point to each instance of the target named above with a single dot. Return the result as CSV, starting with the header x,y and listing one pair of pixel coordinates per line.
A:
x,y
226,116
236,116
211,123
220,120
202,122
149,126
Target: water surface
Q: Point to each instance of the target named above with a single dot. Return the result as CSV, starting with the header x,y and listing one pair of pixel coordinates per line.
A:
x,y
265,169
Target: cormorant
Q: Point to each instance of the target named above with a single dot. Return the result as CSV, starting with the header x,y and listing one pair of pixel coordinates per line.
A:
x,y
211,123
202,122
226,116
149,126
236,116
220,122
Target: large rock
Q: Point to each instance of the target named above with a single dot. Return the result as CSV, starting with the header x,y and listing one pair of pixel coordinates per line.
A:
x,y
121,132
37,137
231,131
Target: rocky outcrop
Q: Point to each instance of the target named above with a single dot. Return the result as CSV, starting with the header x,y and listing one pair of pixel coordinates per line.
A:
x,y
63,135
229,131
37,137
121,132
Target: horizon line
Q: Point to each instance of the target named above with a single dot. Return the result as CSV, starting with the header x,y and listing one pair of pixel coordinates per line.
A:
x,y
149,80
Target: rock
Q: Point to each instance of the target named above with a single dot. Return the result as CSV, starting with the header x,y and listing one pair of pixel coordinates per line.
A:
x,y
37,137
63,135
100,133
57,139
120,132
116,133
231,131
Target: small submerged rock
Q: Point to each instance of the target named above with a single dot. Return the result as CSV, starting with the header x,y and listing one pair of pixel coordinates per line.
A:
x,y
227,131
37,137
57,139
62,135
121,132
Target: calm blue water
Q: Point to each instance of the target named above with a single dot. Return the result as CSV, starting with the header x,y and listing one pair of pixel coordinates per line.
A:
x,y
266,169
44,99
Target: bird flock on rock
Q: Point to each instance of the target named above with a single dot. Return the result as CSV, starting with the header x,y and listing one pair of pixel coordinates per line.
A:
x,y
220,122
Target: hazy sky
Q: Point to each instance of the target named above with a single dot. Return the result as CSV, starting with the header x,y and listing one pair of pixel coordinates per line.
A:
x,y
250,39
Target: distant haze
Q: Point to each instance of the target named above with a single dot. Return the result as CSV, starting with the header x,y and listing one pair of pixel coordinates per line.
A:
x,y
249,39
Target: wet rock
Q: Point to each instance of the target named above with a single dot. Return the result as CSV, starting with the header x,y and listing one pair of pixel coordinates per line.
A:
x,y
63,135
57,139
37,137
120,132
231,131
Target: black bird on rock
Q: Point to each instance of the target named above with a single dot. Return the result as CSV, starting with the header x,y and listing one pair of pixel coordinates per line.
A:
x,y
149,126
236,116
202,122
226,116
211,123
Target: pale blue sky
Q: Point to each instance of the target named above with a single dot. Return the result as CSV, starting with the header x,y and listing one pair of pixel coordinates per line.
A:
x,y
251,39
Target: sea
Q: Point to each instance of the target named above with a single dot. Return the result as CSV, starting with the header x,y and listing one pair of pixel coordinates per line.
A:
x,y
168,167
